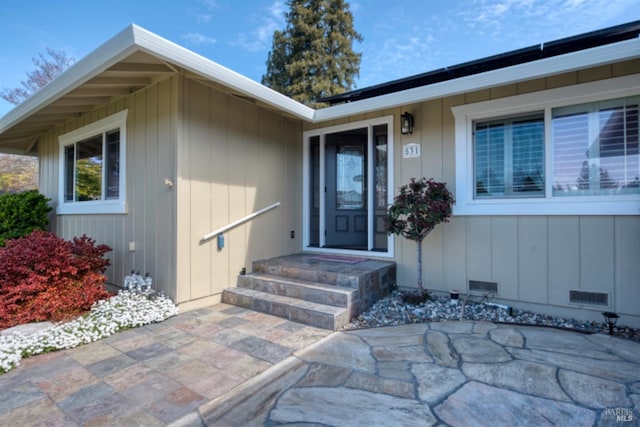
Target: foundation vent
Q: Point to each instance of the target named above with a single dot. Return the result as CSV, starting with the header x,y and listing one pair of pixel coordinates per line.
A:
x,y
478,286
591,298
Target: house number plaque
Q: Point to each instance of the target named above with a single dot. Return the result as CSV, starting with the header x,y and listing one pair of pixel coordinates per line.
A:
x,y
410,150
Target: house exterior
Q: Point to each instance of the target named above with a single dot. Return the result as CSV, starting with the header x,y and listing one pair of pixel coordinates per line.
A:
x,y
148,147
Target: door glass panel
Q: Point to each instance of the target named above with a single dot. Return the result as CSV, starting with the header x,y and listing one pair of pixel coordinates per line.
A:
x,y
314,182
380,141
381,188
350,177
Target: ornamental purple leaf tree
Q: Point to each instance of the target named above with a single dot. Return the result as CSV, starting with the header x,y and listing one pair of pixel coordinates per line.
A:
x,y
416,210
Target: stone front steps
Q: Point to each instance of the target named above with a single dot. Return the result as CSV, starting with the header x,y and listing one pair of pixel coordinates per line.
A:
x,y
307,289
297,310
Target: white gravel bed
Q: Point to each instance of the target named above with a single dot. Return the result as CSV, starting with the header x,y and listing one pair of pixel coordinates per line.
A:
x,y
392,310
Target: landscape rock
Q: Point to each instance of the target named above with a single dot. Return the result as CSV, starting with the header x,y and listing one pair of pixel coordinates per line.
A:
x,y
475,404
338,406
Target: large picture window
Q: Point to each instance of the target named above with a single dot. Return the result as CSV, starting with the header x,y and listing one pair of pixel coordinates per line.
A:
x,y
92,157
572,150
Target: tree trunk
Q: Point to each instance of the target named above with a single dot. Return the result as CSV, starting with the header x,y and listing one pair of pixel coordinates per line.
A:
x,y
420,288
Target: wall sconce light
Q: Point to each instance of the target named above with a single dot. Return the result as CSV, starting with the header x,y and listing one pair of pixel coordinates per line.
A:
x,y
611,319
406,123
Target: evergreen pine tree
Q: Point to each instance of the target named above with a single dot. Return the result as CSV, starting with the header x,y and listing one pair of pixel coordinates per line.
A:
x,y
313,56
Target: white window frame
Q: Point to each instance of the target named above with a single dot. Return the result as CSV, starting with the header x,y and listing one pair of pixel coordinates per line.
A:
x,y
306,182
546,101
116,206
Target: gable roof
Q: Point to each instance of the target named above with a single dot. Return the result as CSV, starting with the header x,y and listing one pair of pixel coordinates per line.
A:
x,y
136,58
131,60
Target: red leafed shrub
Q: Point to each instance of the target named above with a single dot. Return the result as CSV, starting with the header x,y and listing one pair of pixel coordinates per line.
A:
x,y
44,277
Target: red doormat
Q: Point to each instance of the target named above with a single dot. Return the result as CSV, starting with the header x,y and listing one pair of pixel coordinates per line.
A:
x,y
338,258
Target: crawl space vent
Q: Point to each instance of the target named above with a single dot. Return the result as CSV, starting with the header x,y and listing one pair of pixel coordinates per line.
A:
x,y
478,286
591,298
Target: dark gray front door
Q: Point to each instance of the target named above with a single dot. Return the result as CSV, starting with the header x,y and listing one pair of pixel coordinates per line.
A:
x,y
346,190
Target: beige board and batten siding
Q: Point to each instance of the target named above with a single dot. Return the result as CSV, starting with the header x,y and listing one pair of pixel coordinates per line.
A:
x,y
150,158
234,158
536,260
226,158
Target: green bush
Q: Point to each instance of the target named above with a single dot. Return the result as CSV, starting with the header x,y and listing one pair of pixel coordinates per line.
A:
x,y
22,213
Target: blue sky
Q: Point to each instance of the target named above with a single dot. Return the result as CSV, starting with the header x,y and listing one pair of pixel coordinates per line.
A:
x,y
401,37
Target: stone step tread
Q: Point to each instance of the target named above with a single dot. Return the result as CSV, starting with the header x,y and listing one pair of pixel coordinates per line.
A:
x,y
314,274
295,302
257,266
301,262
301,282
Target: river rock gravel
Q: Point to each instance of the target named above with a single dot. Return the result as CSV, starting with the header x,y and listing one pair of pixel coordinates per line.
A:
x,y
392,310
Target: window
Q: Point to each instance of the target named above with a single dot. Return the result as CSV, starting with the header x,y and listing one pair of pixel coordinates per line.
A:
x,y
596,148
509,157
92,172
571,150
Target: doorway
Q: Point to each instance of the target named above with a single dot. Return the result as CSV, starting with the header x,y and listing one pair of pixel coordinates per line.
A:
x,y
347,183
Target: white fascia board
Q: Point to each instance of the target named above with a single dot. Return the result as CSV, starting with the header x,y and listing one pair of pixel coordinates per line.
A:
x,y
130,40
621,51
169,51
114,50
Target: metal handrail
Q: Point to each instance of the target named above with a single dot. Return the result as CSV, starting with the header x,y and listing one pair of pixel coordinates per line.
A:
x,y
238,222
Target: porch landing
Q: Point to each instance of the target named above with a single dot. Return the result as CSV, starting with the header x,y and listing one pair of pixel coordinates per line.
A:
x,y
321,291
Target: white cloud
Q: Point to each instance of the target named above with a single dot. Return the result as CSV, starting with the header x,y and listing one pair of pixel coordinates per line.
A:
x,y
198,39
398,50
539,21
413,52
473,29
203,18
260,38
209,4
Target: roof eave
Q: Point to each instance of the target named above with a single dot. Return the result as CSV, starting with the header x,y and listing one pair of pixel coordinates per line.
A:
x,y
117,48
593,57
130,40
171,52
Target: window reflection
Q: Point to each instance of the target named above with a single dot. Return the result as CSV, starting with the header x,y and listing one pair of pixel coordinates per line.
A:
x,y
89,169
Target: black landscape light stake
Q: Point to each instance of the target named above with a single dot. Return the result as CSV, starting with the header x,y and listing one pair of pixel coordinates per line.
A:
x,y
611,319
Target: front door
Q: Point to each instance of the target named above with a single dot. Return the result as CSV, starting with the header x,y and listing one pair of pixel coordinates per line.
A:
x,y
348,185
346,190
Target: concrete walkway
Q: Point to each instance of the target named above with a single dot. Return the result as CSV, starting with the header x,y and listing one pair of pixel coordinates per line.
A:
x,y
227,366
